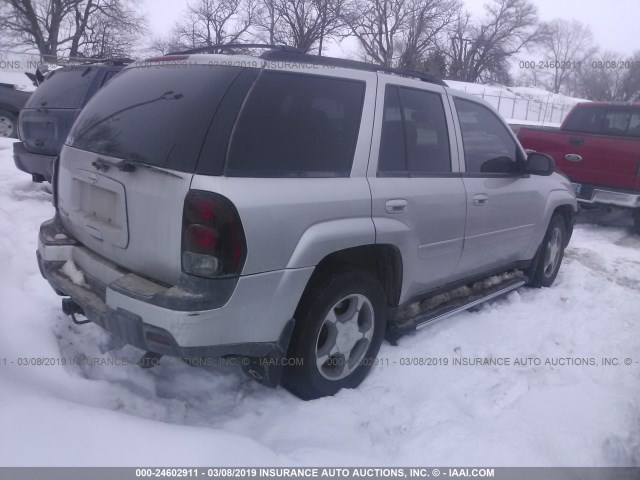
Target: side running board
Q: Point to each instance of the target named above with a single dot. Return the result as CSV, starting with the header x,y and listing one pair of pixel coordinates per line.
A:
x,y
447,310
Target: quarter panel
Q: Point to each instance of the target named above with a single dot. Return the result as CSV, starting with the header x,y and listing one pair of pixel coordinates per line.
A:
x,y
295,222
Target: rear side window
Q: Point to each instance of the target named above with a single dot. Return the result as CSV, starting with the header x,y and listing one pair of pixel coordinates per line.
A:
x,y
155,115
606,121
297,125
622,122
414,135
488,146
585,119
634,124
64,88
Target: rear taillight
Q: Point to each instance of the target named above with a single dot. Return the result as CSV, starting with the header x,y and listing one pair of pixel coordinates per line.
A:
x,y
213,243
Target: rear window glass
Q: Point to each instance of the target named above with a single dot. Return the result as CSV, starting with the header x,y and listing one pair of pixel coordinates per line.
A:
x,y
296,125
155,115
65,88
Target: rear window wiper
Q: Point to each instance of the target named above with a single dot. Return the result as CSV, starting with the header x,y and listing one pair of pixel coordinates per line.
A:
x,y
103,165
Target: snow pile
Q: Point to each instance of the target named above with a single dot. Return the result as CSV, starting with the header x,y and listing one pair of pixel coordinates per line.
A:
x,y
99,408
72,272
522,105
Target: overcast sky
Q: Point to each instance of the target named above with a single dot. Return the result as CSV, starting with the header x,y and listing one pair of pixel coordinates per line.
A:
x,y
614,23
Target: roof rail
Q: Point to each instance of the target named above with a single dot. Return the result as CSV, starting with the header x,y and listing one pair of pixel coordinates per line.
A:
x,y
424,76
293,54
284,55
232,46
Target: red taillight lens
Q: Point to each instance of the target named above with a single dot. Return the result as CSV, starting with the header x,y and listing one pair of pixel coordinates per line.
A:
x,y
201,239
213,243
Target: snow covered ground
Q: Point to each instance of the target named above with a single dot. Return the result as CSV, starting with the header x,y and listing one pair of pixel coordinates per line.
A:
x,y
120,415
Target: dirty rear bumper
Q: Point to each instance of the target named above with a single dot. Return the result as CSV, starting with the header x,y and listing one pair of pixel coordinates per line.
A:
x,y
135,310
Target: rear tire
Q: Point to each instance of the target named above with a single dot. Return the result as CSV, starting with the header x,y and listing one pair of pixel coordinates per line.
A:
x,y
340,324
8,124
547,261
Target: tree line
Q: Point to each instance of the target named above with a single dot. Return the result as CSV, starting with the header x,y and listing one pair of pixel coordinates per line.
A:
x,y
438,36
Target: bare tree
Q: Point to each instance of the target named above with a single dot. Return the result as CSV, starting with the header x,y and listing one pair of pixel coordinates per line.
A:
x,y
214,22
603,79
427,21
399,32
565,45
57,27
631,79
481,51
164,45
110,28
304,24
267,21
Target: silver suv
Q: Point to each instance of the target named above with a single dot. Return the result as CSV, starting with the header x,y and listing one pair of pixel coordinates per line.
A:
x,y
290,211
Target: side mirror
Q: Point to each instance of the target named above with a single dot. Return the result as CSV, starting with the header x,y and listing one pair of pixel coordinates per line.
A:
x,y
499,165
540,164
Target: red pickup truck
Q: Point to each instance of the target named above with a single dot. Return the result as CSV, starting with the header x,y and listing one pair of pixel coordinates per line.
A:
x,y
598,148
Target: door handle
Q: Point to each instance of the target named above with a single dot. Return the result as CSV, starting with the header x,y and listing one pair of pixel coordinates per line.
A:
x,y
480,199
576,141
397,205
572,157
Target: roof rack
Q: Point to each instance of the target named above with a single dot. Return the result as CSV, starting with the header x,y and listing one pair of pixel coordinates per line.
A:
x,y
105,61
234,46
112,61
293,54
285,55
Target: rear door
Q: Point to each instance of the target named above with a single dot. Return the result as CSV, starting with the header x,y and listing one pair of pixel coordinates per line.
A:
x,y
601,146
129,161
503,206
419,201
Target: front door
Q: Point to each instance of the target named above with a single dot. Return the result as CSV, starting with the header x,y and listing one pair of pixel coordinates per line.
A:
x,y
503,205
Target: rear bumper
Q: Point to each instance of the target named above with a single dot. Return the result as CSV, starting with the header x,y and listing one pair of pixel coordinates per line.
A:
x,y
255,322
591,194
33,163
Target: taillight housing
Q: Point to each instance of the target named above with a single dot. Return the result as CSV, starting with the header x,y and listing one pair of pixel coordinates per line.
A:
x,y
213,241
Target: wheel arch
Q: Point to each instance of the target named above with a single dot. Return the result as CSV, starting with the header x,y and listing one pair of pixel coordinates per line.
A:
x,y
568,215
383,261
10,108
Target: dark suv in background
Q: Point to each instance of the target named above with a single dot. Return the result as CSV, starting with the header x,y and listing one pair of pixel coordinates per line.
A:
x,y
49,114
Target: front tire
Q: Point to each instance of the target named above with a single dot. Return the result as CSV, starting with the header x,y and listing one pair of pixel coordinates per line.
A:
x,y
547,262
8,124
339,328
